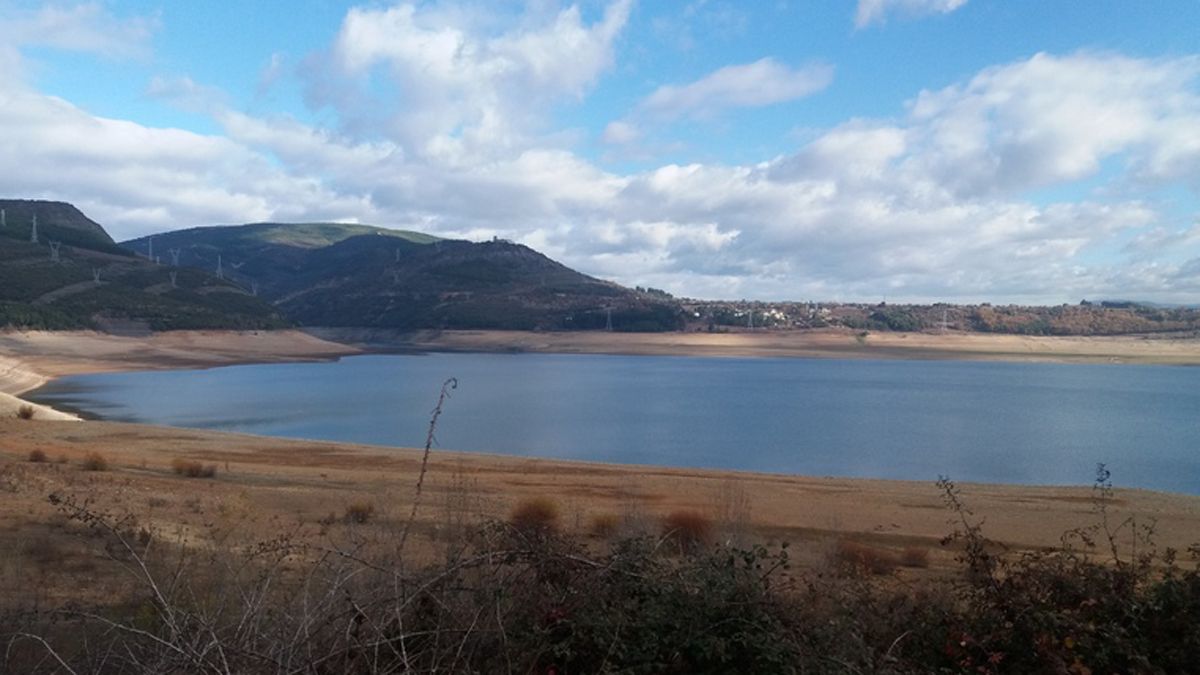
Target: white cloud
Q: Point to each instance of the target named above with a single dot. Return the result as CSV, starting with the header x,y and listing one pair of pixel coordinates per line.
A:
x,y
85,27
1050,120
460,93
137,179
271,74
945,201
871,11
752,85
620,133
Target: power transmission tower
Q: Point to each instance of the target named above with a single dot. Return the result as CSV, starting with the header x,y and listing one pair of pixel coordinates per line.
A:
x,y
54,246
174,274
33,233
253,288
608,319
150,251
945,321
3,219
174,256
220,272
96,275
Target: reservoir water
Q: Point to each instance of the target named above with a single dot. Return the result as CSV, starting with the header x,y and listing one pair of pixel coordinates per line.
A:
x,y
974,421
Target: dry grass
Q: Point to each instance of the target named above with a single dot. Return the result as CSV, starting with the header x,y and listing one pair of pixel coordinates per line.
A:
x,y
359,512
734,515
536,514
37,456
861,557
688,528
190,468
43,551
915,556
94,461
604,525
25,412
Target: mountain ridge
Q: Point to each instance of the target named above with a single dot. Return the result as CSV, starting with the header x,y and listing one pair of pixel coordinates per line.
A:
x,y
363,276
71,275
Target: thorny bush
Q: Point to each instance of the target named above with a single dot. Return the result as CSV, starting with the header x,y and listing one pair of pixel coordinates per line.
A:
x,y
538,601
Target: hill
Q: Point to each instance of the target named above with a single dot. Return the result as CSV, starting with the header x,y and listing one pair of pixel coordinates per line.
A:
x,y
56,221
339,275
90,282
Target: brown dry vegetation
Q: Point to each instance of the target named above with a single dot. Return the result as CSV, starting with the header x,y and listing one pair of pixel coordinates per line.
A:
x,y
858,557
687,529
195,561
204,584
94,461
359,512
189,468
535,514
604,525
914,556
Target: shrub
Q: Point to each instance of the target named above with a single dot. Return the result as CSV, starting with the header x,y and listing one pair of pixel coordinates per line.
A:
x,y
359,512
44,551
94,461
190,468
858,557
535,514
914,556
689,529
37,456
25,412
604,525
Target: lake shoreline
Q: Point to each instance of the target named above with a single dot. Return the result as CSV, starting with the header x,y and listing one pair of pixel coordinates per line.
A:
x,y
811,344
254,468
305,480
30,359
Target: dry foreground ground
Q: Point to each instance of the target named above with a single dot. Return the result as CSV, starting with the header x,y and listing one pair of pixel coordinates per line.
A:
x,y
251,489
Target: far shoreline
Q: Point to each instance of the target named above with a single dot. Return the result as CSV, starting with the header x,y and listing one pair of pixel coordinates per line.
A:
x,y
814,344
31,359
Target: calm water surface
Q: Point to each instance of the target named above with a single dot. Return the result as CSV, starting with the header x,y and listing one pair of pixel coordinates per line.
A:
x,y
996,422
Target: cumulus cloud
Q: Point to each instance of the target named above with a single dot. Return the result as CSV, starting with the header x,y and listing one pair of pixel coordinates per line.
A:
x,y
1053,119
752,85
458,92
139,179
872,11
946,200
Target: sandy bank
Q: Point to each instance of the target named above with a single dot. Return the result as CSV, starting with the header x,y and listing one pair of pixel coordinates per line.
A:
x,y
830,343
285,481
29,359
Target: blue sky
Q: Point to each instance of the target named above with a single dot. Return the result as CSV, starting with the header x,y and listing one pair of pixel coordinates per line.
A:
x,y
962,150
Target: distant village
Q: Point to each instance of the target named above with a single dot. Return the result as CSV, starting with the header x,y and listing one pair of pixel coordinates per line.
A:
x,y
1085,318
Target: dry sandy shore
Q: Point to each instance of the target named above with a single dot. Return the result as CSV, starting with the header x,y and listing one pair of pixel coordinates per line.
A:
x,y
267,485
29,359
304,482
837,344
